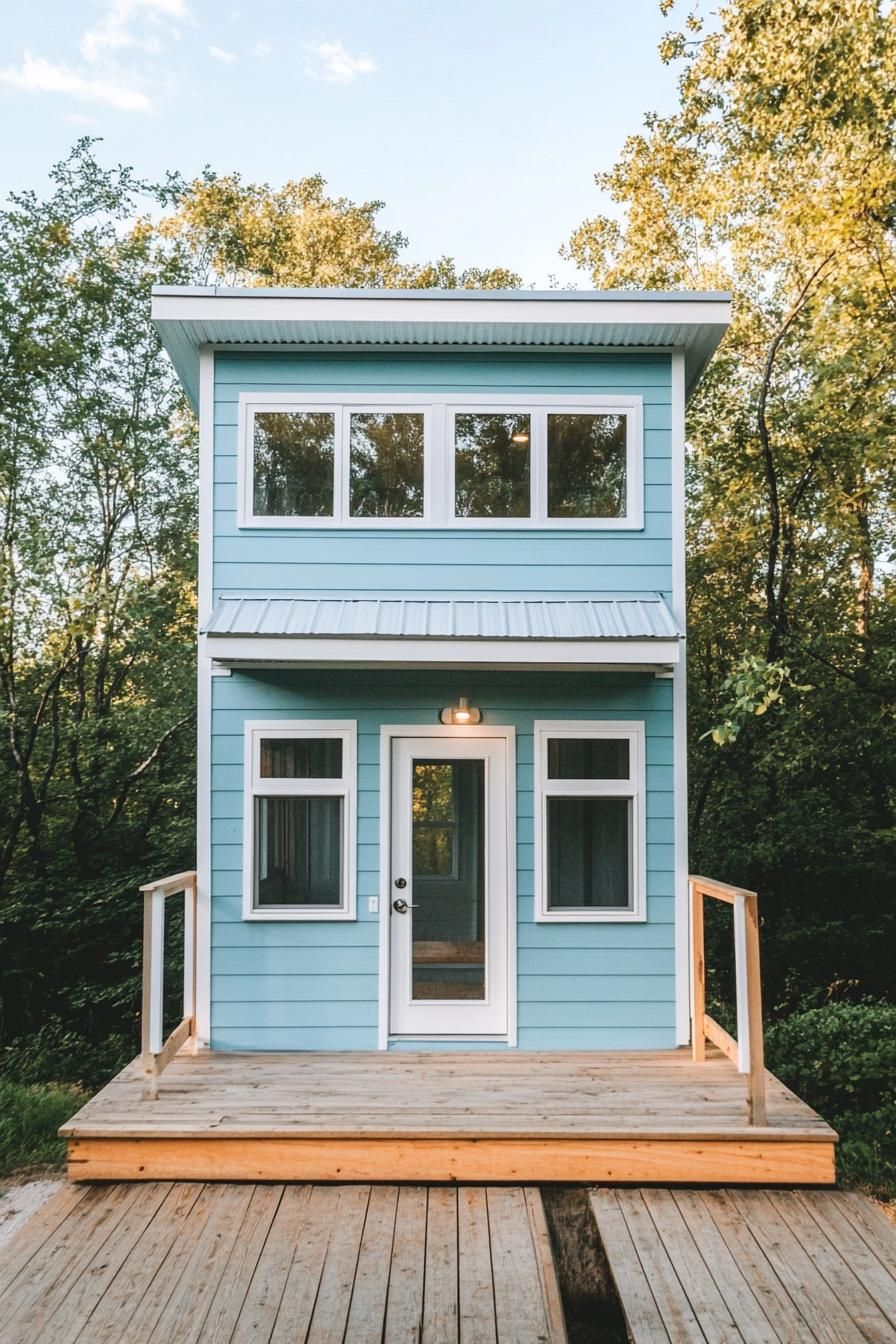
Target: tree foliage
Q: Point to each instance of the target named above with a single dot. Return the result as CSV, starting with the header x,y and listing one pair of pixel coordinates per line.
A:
x,y
776,178
246,233
98,489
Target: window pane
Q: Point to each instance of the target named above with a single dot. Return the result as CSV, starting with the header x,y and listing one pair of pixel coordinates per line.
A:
x,y
586,466
294,463
589,853
588,758
301,758
298,847
386,464
491,466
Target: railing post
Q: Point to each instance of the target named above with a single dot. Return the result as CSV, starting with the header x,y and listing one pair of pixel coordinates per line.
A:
x,y
153,990
190,962
756,1078
698,975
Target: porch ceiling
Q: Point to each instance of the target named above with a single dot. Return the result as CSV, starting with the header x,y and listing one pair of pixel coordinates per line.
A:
x,y
510,630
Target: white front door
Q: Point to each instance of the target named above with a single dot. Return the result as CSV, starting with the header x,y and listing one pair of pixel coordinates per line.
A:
x,y
448,887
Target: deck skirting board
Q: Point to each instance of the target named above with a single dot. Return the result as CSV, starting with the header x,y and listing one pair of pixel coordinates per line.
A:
x,y
362,1158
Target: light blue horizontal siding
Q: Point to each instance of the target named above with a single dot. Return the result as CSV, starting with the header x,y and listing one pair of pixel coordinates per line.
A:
x,y
297,985
328,560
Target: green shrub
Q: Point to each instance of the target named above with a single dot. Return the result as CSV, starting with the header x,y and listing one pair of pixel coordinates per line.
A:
x,y
55,1054
29,1119
841,1059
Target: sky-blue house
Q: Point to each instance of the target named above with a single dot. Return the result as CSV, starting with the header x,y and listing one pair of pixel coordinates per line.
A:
x,y
441,669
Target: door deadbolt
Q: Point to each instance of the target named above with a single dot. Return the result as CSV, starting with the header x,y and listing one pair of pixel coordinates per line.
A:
x,y
401,883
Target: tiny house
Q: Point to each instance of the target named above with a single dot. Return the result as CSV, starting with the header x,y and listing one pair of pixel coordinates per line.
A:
x,y
441,665
442,756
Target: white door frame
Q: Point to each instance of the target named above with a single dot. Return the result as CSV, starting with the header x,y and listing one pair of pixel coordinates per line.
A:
x,y
388,732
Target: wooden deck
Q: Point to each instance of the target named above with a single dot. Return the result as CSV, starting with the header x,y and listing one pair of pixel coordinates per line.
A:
x,y
438,1116
212,1264
762,1266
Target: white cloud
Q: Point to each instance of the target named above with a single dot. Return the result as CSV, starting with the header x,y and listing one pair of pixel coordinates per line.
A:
x,y
35,75
220,54
335,65
262,49
123,25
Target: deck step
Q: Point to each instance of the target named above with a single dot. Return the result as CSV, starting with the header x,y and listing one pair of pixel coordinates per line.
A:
x,y
448,1116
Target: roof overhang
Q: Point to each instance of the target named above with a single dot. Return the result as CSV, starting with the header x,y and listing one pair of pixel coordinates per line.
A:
x,y
190,319
546,633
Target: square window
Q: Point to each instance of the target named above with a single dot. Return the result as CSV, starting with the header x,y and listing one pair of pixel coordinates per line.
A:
x,y
492,452
386,458
589,846
586,465
293,465
299,851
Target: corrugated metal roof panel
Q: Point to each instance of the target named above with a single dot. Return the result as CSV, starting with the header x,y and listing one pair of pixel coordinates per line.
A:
x,y
445,618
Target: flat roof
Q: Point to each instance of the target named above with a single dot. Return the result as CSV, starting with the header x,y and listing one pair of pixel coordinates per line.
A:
x,y
191,318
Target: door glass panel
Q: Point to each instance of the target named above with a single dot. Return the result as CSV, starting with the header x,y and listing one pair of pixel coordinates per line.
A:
x,y
448,880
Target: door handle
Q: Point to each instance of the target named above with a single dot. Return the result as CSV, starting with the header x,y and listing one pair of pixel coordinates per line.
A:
x,y
401,907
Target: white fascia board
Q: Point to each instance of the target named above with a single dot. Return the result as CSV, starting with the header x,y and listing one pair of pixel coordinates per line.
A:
x,y
360,310
444,653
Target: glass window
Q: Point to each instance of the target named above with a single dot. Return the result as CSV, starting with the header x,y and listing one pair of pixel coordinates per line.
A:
x,y
300,808
299,851
588,758
491,465
386,464
586,465
589,848
294,454
301,758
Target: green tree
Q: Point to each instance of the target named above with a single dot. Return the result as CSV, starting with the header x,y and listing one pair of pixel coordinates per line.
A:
x,y
247,233
776,177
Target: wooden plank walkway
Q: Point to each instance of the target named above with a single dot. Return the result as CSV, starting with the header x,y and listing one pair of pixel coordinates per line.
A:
x,y
187,1263
760,1266
514,1116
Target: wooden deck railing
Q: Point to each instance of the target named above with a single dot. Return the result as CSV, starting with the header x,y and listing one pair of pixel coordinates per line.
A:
x,y
156,1053
747,1051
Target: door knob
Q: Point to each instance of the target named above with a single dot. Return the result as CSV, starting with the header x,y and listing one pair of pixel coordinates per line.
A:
x,y
401,907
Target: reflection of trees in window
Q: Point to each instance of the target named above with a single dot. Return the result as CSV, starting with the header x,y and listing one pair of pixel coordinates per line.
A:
x,y
491,465
434,813
586,466
294,453
386,465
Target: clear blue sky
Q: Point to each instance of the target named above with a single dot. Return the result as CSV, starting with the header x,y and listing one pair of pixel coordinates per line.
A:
x,y
480,123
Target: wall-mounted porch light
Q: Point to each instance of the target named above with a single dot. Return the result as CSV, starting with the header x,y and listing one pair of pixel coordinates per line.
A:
x,y
461,714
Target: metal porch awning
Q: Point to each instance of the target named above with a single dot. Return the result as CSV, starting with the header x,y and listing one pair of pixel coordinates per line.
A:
x,y
508,630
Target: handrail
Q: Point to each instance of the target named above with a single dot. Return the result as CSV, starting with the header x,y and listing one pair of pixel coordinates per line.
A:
x,y
747,1052
155,1053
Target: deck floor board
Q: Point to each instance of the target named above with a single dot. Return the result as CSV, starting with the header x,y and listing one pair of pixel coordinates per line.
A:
x,y
750,1266
348,1264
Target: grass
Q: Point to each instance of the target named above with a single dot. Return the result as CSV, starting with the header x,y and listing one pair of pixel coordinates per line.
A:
x,y
30,1115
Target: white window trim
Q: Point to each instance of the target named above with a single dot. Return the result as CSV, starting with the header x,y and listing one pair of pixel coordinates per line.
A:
x,y
634,788
345,788
438,470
